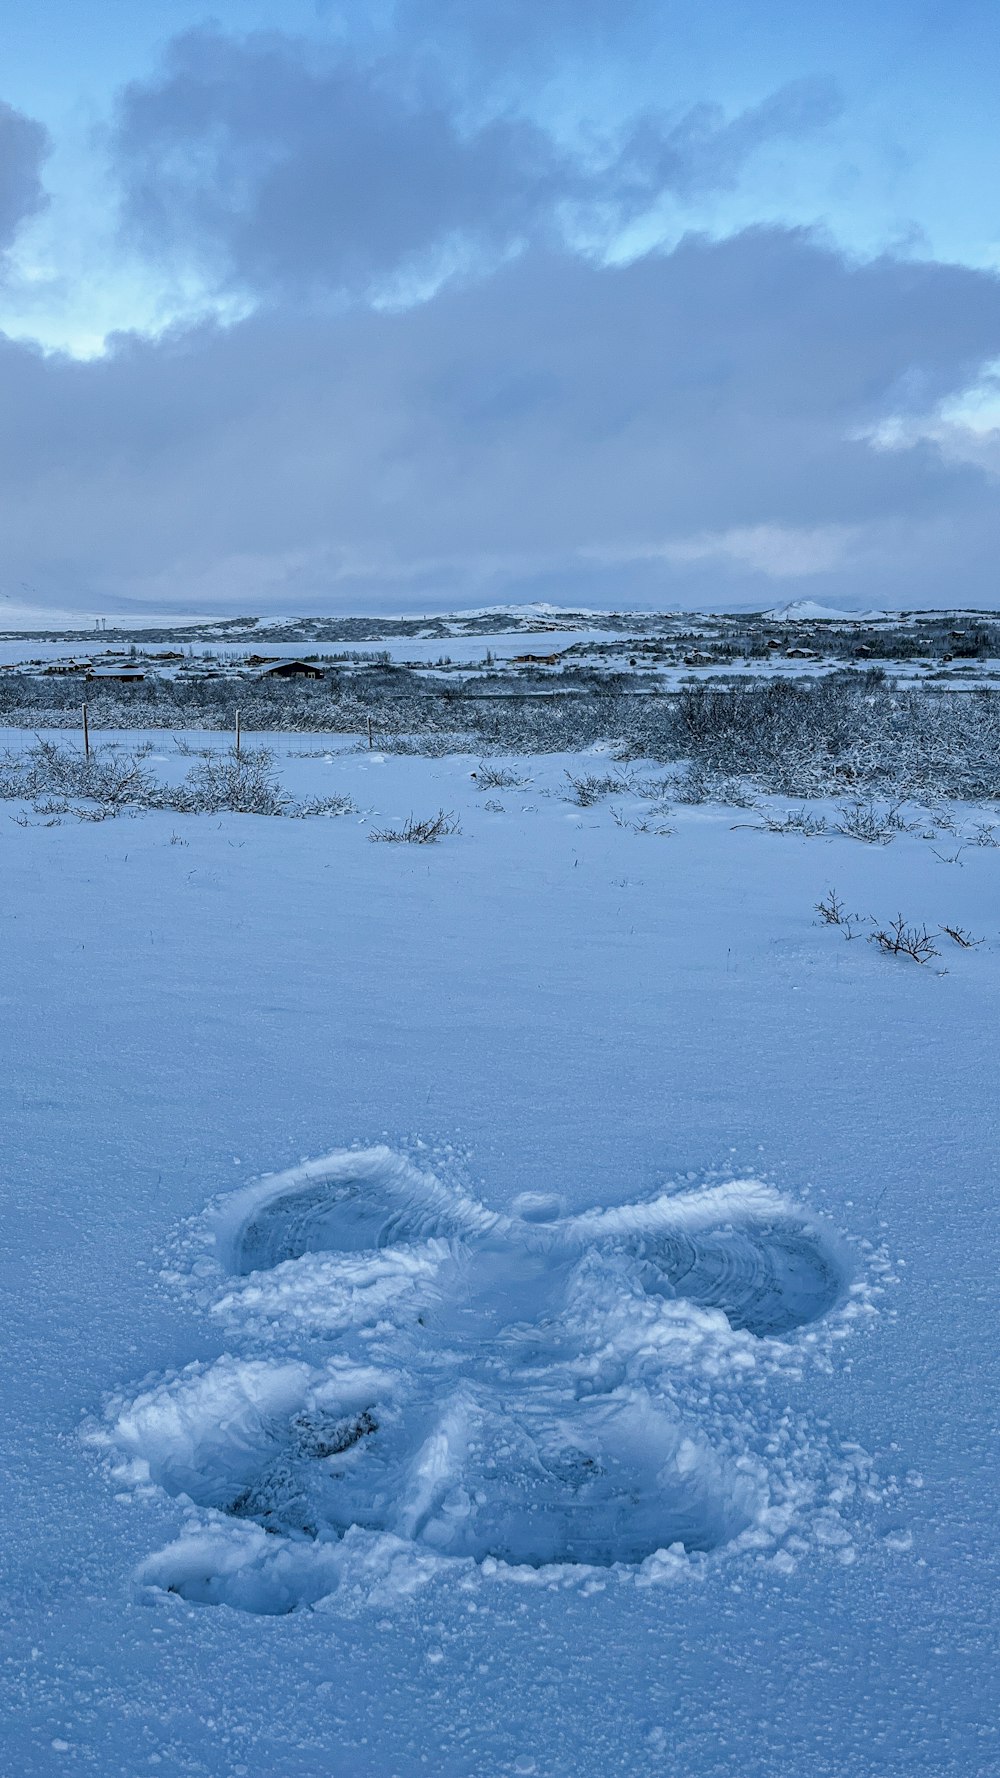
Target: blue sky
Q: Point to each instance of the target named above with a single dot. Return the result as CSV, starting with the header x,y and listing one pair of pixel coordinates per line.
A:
x,y
909,159
187,198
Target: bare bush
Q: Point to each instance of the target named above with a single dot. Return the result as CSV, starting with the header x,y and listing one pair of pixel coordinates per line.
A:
x,y
698,783
322,805
589,789
102,776
897,939
110,783
498,777
424,744
243,782
900,940
814,738
831,909
833,912
641,823
850,732
418,833
803,821
185,748
873,822
80,811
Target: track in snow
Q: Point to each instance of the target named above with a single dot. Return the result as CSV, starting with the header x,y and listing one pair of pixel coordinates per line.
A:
x,y
769,1279
428,1380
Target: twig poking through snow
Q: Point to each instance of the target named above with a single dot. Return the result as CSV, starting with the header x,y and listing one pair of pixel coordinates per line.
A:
x,y
418,833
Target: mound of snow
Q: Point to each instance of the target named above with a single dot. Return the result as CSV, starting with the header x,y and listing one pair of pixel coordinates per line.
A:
x,y
806,610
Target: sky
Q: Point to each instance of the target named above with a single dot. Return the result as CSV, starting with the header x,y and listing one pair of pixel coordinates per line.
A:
x,y
424,305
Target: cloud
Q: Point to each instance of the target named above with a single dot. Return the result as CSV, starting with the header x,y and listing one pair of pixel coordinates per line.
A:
x,y
697,426
292,174
536,34
24,146
779,551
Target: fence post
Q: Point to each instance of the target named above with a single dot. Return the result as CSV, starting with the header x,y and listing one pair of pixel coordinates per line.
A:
x,y
237,734
86,733
370,742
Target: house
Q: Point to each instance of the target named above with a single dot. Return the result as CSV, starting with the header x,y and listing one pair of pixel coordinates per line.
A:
x,y
536,660
293,670
120,674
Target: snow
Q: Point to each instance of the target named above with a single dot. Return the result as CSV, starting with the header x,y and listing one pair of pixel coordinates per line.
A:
x,y
808,610
548,1392
19,614
521,1304
459,645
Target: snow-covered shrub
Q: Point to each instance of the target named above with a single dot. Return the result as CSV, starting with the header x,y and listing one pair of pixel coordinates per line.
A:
x,y
815,738
46,770
876,823
109,783
498,777
850,731
804,821
243,782
590,788
697,783
322,805
418,833
648,823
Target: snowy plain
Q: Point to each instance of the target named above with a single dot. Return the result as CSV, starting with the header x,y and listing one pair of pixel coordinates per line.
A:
x,y
466,657
564,1211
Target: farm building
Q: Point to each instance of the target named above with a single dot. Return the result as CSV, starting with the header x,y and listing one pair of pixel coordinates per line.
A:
x,y
293,670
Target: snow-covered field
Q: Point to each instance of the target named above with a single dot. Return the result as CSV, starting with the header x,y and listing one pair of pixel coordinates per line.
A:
x,y
418,650
519,1305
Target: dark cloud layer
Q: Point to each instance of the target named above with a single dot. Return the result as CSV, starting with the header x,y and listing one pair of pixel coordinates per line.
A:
x,y
693,426
24,146
287,173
